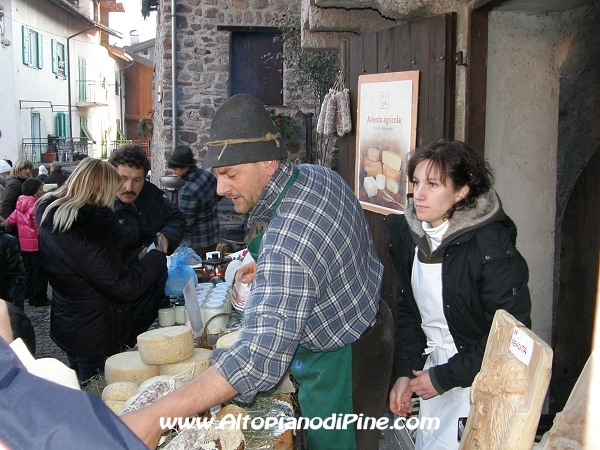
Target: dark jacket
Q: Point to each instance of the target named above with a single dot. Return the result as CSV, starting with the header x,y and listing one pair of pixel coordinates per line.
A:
x,y
91,285
482,272
56,177
12,271
11,194
152,213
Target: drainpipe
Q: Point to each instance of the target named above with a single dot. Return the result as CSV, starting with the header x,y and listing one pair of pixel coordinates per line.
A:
x,y
69,77
174,72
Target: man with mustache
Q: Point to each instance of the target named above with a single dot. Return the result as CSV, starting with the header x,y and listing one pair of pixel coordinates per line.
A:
x,y
146,215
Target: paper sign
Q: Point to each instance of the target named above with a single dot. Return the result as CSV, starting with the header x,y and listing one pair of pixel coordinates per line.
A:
x,y
193,308
521,345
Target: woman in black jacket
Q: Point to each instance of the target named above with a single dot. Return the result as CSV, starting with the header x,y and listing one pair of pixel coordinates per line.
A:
x,y
81,247
454,251
20,172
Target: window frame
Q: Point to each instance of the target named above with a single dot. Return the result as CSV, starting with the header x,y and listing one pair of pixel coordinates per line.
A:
x,y
58,54
28,34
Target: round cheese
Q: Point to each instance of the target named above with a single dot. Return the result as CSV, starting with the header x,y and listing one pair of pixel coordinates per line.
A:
x,y
166,345
128,366
373,154
194,365
227,340
150,381
119,391
372,168
115,406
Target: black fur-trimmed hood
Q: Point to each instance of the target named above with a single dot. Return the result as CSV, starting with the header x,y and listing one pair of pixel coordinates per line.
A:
x,y
94,224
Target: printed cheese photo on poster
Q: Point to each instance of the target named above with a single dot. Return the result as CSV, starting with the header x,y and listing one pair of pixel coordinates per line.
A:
x,y
386,135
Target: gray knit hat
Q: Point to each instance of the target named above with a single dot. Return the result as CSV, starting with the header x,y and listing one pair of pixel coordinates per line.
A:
x,y
242,131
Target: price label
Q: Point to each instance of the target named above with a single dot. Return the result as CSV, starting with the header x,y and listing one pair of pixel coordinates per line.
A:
x,y
521,345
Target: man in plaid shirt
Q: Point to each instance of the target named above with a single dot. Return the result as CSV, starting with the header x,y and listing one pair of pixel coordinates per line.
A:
x,y
313,308
197,201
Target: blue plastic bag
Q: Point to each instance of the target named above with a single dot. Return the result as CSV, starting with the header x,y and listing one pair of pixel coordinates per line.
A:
x,y
180,270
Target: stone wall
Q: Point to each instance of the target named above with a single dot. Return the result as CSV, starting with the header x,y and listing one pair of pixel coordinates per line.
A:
x,y
203,71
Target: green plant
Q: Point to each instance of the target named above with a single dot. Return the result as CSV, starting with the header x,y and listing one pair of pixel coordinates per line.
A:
x,y
308,72
148,6
144,128
285,124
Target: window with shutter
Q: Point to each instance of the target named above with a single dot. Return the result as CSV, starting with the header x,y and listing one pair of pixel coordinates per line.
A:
x,y
32,47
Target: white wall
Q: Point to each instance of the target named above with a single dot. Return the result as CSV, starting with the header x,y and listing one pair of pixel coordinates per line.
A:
x,y
521,140
25,89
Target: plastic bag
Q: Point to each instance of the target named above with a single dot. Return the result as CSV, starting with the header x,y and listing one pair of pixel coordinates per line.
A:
x,y
180,271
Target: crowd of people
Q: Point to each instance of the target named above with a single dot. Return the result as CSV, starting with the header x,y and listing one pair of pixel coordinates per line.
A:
x,y
314,308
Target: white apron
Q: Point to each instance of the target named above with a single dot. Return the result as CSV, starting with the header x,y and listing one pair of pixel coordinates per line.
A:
x,y
448,407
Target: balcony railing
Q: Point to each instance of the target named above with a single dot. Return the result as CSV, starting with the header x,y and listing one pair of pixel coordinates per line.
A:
x,y
63,150
117,144
90,92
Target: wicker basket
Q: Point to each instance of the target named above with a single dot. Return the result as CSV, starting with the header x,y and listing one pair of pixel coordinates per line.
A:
x,y
209,341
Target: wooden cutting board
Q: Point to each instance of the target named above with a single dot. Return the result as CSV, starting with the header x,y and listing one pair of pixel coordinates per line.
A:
x,y
508,393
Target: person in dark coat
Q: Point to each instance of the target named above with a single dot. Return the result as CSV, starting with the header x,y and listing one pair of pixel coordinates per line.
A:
x,y
56,175
12,270
20,172
454,252
81,244
42,173
146,216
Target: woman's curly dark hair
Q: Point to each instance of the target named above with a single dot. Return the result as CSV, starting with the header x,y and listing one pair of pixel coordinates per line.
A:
x,y
461,164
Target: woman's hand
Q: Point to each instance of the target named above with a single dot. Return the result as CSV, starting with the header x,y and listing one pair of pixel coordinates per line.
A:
x,y
400,397
421,385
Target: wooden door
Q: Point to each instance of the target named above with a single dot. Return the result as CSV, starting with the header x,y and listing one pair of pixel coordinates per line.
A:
x,y
429,47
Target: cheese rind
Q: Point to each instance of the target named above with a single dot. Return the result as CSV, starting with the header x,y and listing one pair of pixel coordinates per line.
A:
x,y
128,366
372,168
391,159
119,391
166,345
197,363
115,406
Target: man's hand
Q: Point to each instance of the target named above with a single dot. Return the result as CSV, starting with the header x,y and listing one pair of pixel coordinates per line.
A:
x,y
246,273
142,423
421,385
400,397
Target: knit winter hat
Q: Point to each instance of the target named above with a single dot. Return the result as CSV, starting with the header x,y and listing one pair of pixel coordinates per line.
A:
x,y
4,167
30,186
42,170
242,131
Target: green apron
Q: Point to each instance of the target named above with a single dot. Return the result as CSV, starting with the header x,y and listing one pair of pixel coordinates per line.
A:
x,y
325,380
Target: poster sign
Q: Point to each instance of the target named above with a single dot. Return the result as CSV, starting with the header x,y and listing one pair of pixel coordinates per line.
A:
x,y
386,135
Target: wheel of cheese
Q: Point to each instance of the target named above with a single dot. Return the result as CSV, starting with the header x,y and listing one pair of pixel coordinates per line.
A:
x,y
128,366
150,381
392,178
194,365
227,340
166,345
373,154
115,406
372,168
119,391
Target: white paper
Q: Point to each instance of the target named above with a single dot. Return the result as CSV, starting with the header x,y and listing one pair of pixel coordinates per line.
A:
x,y
192,307
521,345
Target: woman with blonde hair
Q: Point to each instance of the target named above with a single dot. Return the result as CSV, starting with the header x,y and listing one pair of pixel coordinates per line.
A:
x,y
81,243
21,171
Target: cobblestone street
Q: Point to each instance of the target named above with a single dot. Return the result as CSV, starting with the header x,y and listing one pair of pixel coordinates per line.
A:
x,y
45,347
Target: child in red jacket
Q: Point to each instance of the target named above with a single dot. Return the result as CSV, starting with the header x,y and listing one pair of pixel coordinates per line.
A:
x,y
24,218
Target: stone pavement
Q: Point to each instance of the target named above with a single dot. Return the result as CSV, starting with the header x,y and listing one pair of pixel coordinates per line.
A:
x,y
45,347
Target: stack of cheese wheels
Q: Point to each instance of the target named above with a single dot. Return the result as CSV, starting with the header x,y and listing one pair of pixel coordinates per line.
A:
x,y
372,162
162,353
